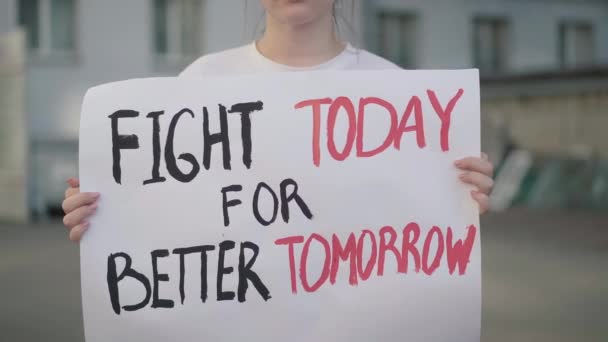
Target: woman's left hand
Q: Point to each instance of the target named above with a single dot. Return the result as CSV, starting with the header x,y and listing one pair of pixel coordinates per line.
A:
x,y
478,172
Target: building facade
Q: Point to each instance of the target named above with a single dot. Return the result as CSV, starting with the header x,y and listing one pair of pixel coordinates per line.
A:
x,y
13,132
498,36
75,44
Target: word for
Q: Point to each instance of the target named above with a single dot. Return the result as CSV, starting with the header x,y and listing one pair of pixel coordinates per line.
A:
x,y
356,124
244,269
288,192
130,142
404,250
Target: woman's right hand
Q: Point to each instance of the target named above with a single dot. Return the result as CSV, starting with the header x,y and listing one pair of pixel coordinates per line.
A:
x,y
78,206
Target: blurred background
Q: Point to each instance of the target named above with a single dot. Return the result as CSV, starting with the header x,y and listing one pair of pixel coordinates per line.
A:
x,y
544,69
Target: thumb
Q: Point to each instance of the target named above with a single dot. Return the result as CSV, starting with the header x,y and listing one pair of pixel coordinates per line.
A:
x,y
73,182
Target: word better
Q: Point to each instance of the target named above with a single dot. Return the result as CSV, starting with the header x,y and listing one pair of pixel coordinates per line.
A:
x,y
245,275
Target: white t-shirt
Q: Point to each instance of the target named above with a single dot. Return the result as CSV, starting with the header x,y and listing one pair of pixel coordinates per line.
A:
x,y
247,59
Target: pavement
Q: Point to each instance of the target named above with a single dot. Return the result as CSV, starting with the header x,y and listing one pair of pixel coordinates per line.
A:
x,y
545,278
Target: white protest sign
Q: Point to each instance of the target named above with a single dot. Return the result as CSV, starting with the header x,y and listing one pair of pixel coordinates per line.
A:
x,y
282,207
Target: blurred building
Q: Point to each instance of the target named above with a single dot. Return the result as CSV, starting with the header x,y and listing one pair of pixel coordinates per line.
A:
x,y
72,45
13,132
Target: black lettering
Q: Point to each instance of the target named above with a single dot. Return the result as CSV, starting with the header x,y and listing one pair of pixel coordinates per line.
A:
x,y
217,138
158,277
121,142
245,109
221,271
113,280
172,167
156,178
182,252
256,203
246,274
231,203
293,195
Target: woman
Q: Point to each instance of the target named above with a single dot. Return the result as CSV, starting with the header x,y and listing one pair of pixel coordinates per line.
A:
x,y
300,35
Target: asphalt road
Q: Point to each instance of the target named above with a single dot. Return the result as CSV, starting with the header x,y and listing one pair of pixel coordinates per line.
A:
x,y
545,278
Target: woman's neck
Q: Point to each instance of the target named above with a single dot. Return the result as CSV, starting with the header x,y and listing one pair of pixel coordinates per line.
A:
x,y
302,45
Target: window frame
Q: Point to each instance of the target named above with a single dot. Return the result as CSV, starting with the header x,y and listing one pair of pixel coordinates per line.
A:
x,y
414,19
571,23
175,58
45,52
501,58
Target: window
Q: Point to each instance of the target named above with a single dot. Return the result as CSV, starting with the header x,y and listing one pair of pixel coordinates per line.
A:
x,y
490,44
177,30
576,46
397,38
50,25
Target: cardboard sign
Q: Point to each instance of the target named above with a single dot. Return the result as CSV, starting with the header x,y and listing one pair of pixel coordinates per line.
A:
x,y
285,207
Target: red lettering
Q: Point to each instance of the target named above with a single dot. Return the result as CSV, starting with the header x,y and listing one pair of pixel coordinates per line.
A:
x,y
356,124
292,262
341,102
390,245
459,253
316,125
426,249
445,115
361,123
364,273
352,250
346,253
415,106
409,245
326,263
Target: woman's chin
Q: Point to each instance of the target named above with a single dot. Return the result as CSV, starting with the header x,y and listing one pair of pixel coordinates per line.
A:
x,y
301,12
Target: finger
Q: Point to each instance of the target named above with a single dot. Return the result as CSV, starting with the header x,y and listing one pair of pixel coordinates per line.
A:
x,y
77,232
71,192
484,156
73,182
475,164
482,199
78,200
77,216
482,182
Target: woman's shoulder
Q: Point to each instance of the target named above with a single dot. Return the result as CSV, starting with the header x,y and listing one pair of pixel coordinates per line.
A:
x,y
366,60
224,62
244,59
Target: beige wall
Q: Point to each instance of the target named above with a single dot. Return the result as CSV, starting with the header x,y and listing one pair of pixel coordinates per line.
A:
x,y
552,123
13,142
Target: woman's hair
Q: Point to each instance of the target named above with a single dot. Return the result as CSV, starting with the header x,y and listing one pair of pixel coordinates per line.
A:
x,y
344,15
